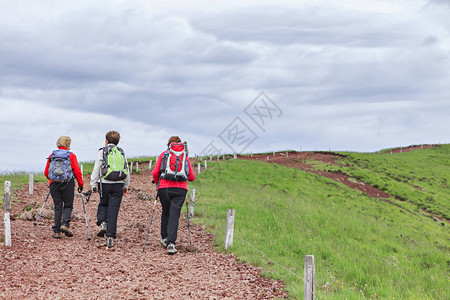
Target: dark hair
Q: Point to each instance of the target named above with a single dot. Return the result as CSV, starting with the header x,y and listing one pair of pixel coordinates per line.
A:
x,y
173,139
113,137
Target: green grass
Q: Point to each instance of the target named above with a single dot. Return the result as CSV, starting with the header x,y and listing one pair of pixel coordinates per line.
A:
x,y
420,177
363,248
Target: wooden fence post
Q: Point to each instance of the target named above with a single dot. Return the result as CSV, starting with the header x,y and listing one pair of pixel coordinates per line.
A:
x,y
310,278
267,157
150,164
7,217
287,154
198,167
30,184
273,153
235,155
210,157
206,166
191,205
229,231
137,167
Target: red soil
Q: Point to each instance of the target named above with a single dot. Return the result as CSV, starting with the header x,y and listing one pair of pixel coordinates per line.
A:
x,y
298,160
40,267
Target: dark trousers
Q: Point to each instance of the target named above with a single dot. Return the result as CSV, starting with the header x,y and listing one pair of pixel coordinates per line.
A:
x,y
108,208
62,194
172,200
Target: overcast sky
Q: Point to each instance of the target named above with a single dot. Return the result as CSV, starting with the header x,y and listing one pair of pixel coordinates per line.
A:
x,y
242,76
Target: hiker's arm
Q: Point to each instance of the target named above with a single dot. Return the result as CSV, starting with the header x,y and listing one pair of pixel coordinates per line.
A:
x,y
46,167
157,168
191,176
95,176
76,169
127,179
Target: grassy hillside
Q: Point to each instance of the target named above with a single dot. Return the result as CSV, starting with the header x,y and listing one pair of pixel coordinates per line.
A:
x,y
364,248
419,177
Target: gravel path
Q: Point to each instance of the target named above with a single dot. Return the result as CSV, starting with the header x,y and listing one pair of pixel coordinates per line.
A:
x,y
40,267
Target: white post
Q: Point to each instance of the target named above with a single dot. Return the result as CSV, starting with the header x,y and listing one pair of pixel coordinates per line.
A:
x,y
310,278
218,157
7,217
131,167
191,205
251,153
198,167
273,153
150,164
229,231
137,166
30,184
223,157
267,157
287,154
300,148
210,157
81,168
206,166
235,155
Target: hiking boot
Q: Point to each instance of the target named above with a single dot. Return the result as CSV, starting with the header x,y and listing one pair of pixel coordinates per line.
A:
x,y
109,242
171,249
164,242
102,231
66,231
56,235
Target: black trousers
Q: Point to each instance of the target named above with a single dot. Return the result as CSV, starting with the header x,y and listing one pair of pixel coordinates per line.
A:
x,y
172,200
108,208
62,194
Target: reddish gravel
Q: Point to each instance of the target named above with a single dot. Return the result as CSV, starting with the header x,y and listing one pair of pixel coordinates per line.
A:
x,y
298,160
40,267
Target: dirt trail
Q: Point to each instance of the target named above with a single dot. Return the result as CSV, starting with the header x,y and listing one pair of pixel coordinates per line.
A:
x,y
410,148
40,267
298,160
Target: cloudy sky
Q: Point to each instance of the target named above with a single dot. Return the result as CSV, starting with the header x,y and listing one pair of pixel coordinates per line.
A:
x,y
357,75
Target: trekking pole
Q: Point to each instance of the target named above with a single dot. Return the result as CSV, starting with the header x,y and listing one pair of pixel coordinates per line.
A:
x,y
153,211
37,219
189,223
85,216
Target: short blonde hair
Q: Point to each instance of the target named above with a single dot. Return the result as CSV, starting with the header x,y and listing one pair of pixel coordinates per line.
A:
x,y
64,141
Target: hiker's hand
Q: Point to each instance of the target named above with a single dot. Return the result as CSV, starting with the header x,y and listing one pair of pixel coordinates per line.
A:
x,y
80,189
94,189
88,195
125,191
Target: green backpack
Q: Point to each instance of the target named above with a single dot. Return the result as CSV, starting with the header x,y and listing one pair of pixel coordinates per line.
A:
x,y
114,164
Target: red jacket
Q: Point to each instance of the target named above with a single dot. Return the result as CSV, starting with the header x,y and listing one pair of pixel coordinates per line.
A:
x,y
75,168
169,183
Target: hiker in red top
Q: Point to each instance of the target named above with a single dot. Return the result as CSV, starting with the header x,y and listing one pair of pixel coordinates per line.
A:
x,y
62,166
172,171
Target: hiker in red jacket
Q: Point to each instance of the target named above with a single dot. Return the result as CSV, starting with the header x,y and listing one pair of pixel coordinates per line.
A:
x,y
172,188
61,166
